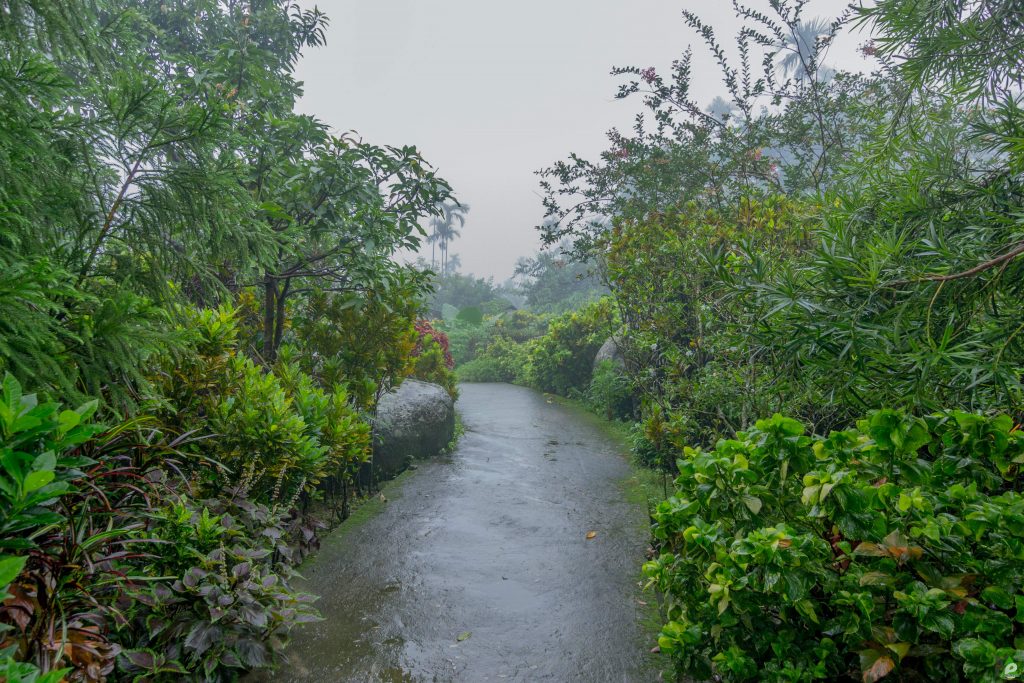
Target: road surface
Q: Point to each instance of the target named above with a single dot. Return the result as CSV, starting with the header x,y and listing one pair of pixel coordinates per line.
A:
x,y
478,567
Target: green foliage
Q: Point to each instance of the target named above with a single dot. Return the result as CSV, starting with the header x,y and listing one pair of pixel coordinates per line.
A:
x,y
552,282
455,292
562,360
153,168
278,433
467,340
504,360
230,607
14,671
431,366
824,244
483,369
471,315
37,469
81,511
890,547
365,341
610,392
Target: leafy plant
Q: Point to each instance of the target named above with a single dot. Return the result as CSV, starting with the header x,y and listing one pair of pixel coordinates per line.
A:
x,y
228,606
890,548
610,392
563,359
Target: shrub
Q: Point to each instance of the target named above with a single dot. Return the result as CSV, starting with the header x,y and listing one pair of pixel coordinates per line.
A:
x,y
112,570
503,360
610,392
891,548
362,340
278,433
430,366
229,608
467,340
563,359
482,370
426,334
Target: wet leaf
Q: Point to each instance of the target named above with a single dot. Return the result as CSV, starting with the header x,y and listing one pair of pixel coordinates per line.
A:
x,y
10,567
875,665
464,636
591,535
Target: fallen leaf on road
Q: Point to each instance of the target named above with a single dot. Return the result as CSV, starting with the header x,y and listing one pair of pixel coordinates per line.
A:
x,y
591,535
463,636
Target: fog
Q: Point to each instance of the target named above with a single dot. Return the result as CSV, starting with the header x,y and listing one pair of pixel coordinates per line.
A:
x,y
492,92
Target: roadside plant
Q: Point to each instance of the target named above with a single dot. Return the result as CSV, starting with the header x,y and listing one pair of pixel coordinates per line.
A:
x,y
278,433
610,391
218,601
562,360
432,359
889,549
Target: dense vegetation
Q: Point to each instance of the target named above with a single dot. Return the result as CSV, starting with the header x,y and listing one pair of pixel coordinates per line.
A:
x,y
199,310
541,328
844,249
811,292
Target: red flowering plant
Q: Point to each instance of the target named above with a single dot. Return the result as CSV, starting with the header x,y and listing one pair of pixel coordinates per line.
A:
x,y
433,358
426,333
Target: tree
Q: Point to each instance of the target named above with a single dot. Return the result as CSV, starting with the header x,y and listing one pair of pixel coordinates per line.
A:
x,y
445,227
801,48
340,212
554,282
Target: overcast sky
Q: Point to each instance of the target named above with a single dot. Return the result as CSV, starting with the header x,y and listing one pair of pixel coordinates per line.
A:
x,y
491,92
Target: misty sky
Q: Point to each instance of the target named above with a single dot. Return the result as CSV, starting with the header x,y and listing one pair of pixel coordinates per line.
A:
x,y
491,92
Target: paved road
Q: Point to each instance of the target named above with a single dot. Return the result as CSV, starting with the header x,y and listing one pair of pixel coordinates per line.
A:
x,y
479,569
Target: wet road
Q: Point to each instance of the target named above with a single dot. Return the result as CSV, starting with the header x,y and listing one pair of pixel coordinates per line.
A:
x,y
478,568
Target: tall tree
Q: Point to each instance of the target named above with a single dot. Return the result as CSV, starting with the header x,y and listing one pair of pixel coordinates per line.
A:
x,y
445,227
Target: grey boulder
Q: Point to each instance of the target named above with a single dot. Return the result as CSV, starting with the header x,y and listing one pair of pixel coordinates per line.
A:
x,y
415,421
609,351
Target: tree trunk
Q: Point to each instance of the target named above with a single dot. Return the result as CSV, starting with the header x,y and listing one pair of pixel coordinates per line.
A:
x,y
280,316
269,318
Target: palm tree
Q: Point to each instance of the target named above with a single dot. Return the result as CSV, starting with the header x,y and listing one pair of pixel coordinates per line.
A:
x,y
454,262
802,48
445,228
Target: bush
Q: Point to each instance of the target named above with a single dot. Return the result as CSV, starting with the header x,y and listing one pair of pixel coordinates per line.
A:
x,y
230,607
362,340
278,434
895,547
467,340
563,359
502,361
482,370
112,570
610,392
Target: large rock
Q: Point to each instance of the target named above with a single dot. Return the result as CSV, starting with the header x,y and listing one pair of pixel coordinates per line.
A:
x,y
415,421
610,351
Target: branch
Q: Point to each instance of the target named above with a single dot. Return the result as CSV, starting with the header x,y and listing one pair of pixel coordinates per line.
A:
x,y
1014,252
109,222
